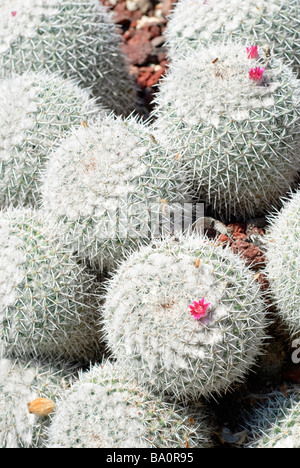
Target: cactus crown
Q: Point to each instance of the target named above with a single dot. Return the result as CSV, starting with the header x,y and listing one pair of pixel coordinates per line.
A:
x,y
36,109
220,109
101,184
122,414
77,38
148,322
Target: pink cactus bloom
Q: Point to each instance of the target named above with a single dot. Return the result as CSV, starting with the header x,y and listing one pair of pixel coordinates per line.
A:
x,y
198,310
256,73
252,52
13,13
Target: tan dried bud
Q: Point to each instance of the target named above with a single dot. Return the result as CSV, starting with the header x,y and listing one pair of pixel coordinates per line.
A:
x,y
41,407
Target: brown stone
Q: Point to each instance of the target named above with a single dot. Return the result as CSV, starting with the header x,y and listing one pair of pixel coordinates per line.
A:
x,y
138,48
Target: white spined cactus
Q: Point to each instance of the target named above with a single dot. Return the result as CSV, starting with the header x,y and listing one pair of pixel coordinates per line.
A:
x,y
23,382
283,262
48,303
106,408
274,422
185,316
105,187
36,109
231,116
274,23
77,38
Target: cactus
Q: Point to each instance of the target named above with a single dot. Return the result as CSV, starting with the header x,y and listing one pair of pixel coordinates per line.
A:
x,y
273,23
104,188
176,351
106,408
222,113
36,109
76,38
283,266
48,303
275,421
21,383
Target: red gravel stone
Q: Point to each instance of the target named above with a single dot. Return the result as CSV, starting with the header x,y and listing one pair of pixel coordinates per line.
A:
x,y
138,48
237,227
222,238
251,254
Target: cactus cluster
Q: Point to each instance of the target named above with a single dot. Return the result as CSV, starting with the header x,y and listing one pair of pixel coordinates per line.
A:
x,y
106,187
48,303
106,408
221,111
21,383
283,266
275,421
36,109
90,191
274,23
74,37
149,326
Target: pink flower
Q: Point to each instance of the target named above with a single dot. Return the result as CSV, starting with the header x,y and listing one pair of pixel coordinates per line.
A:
x,y
198,310
13,13
252,52
256,73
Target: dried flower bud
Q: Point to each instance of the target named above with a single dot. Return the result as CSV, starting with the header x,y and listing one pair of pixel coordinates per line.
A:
x,y
41,407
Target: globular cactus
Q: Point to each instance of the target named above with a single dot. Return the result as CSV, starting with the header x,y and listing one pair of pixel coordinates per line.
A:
x,y
74,37
106,408
36,109
274,422
231,116
22,386
283,262
185,316
274,23
48,303
105,187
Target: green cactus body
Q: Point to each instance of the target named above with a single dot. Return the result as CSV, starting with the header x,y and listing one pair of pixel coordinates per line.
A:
x,y
48,304
76,38
108,409
20,383
148,324
36,109
105,187
273,23
233,121
275,421
283,266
